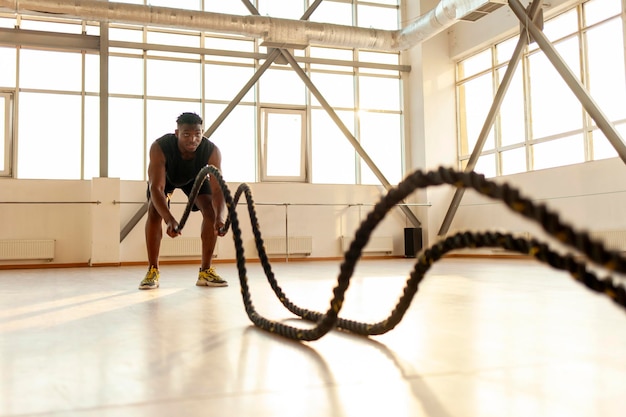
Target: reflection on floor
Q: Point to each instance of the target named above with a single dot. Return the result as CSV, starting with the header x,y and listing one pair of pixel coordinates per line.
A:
x,y
481,338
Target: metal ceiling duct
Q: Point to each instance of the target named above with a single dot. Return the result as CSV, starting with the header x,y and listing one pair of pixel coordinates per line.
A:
x,y
273,31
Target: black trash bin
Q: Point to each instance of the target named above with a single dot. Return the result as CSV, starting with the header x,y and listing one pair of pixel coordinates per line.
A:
x,y
412,241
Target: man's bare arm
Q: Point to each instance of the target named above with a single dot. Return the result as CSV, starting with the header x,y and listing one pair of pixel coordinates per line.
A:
x,y
156,181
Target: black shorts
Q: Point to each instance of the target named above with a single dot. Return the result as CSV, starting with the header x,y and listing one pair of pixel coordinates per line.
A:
x,y
169,189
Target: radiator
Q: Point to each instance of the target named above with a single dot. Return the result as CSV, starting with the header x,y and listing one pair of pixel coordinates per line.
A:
x,y
22,249
376,244
298,245
180,246
612,239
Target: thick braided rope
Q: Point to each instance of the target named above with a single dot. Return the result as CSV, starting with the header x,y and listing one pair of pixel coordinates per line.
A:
x,y
594,251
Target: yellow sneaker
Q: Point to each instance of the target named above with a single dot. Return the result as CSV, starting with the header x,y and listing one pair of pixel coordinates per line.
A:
x,y
209,278
151,281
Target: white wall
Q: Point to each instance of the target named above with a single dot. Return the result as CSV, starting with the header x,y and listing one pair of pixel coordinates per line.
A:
x,y
326,219
71,224
467,37
589,195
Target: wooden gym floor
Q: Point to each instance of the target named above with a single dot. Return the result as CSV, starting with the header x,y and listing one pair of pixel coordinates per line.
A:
x,y
481,338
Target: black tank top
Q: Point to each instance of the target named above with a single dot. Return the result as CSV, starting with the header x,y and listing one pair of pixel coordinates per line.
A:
x,y
178,171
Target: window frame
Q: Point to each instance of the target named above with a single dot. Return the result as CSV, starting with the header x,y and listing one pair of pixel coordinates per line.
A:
x,y
263,146
7,134
582,68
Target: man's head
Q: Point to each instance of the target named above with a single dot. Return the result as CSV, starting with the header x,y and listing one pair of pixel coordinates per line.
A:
x,y
189,119
188,131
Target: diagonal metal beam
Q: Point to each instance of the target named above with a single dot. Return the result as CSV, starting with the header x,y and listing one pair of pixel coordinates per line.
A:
x,y
535,8
273,55
355,143
133,221
250,7
572,81
255,77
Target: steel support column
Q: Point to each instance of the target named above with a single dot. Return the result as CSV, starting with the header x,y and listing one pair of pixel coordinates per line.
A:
x,y
570,79
355,143
535,7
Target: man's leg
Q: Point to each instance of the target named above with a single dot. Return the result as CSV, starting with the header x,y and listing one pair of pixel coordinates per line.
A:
x,y
154,233
208,234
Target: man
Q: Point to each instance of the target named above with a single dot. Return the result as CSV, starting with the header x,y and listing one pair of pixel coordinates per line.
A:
x,y
175,160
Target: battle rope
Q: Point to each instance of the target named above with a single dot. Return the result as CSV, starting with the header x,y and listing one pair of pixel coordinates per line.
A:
x,y
595,252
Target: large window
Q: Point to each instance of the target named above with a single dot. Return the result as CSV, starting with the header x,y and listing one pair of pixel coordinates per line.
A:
x,y
5,133
541,124
282,144
279,130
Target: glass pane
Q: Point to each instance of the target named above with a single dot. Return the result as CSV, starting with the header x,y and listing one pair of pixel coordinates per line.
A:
x,y
331,53
504,50
161,118
92,73
555,109
236,138
126,35
126,139
379,93
3,132
474,64
606,68
92,29
283,144
602,148
136,53
381,137
180,4
513,161
227,7
475,99
50,70
187,75
50,26
288,9
337,89
7,23
7,69
334,54
379,57
125,75
175,39
392,2
281,86
486,165
224,82
91,168
35,146
512,123
562,25
558,152
332,12
338,166
228,44
377,17
598,10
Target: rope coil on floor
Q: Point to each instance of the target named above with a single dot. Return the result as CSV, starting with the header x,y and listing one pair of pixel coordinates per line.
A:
x,y
593,251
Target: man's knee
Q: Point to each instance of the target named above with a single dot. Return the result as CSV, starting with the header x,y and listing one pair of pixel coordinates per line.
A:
x,y
208,213
153,214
